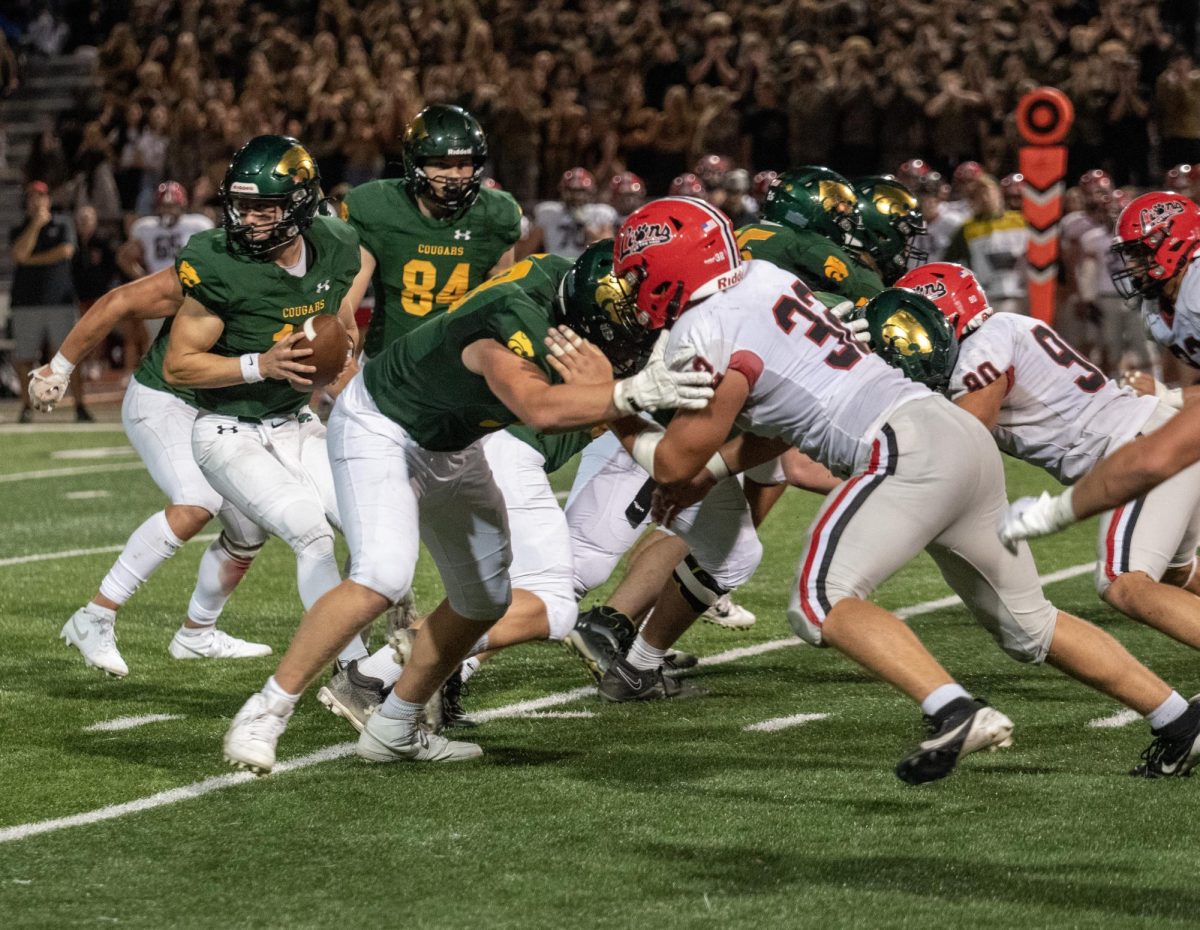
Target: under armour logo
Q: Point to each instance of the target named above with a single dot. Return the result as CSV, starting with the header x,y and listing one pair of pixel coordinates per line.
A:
x,y
323,286
462,234
222,430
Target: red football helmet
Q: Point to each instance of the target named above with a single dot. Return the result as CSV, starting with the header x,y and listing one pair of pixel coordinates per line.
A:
x,y
1179,179
673,251
967,172
627,192
1156,237
762,181
170,193
1011,185
955,291
491,184
686,185
911,172
711,169
1096,185
577,187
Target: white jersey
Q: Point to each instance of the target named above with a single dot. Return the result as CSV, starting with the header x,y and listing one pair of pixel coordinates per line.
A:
x,y
161,243
810,382
1059,412
1096,244
1178,331
565,230
936,238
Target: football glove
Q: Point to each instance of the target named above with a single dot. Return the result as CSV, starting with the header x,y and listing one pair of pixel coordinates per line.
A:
x,y
664,384
46,388
1156,327
856,324
1028,517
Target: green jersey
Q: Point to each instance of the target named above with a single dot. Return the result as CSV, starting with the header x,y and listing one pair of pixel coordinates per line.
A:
x,y
424,265
556,448
420,380
150,370
260,303
810,257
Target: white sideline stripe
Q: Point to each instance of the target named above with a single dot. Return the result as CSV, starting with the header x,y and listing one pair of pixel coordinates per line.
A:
x,y
68,472
86,495
340,750
76,553
128,723
96,452
555,714
1121,718
782,723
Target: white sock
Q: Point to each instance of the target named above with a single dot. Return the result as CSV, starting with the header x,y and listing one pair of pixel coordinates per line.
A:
x,y
104,613
218,575
400,710
644,656
148,547
470,667
355,651
1168,711
194,633
481,645
940,697
382,665
275,693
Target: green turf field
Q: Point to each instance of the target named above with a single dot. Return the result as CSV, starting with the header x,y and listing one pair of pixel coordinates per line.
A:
x,y
665,816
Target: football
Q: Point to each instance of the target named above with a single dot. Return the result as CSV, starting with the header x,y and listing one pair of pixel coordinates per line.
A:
x,y
330,345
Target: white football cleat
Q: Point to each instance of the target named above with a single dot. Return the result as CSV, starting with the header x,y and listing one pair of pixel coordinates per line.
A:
x,y
388,739
724,612
93,635
251,738
213,644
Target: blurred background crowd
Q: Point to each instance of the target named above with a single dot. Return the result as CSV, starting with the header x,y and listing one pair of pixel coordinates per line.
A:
x,y
662,88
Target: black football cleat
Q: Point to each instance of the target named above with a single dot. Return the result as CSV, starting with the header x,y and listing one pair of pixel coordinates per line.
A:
x,y
1176,747
453,691
600,636
678,664
964,726
622,683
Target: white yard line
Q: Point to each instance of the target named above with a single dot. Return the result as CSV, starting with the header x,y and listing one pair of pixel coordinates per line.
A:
x,y
76,553
95,452
86,495
41,429
556,715
1121,718
782,723
128,723
341,750
69,472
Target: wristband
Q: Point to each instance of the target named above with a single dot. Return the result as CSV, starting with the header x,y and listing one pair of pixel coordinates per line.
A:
x,y
61,366
717,466
643,448
251,373
621,401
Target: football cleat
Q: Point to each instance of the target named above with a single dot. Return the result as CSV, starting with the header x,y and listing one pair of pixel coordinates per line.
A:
x,y
389,739
93,635
353,696
622,683
449,711
678,664
1176,747
600,635
964,726
724,612
251,739
213,644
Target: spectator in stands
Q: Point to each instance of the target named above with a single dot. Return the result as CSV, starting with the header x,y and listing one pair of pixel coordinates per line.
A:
x,y
152,153
43,292
765,128
1177,96
93,183
94,264
673,142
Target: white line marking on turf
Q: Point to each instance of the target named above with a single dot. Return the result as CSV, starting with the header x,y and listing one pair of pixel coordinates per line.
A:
x,y
341,750
128,723
86,495
68,472
561,496
555,714
782,723
97,452
41,429
75,553
1121,718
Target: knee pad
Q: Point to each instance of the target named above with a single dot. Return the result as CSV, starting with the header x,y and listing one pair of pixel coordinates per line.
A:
x,y
697,586
242,551
561,614
737,567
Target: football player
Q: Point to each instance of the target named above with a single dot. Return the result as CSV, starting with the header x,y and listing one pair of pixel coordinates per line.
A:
x,y
626,192
1048,405
249,287
436,233
411,421
569,225
790,369
892,222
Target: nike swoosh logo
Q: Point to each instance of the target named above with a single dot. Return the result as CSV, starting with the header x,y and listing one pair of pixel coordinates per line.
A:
x,y
75,626
275,424
635,683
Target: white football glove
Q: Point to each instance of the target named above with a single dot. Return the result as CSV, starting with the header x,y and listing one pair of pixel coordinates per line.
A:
x,y
46,388
1156,327
856,325
1029,517
665,384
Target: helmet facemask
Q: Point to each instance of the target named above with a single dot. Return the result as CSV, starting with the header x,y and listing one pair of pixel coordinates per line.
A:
x,y
456,194
256,240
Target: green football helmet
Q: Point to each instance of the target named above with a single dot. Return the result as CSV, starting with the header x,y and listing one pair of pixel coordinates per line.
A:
x,y
891,220
600,307
441,131
909,332
278,171
815,199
